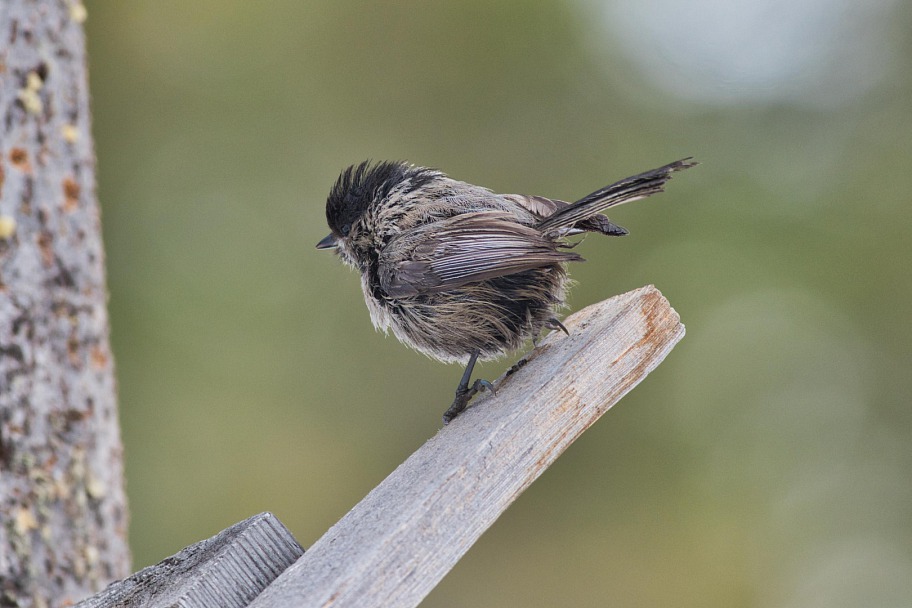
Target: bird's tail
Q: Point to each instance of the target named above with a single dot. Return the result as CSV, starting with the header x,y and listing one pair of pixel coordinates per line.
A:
x,y
624,191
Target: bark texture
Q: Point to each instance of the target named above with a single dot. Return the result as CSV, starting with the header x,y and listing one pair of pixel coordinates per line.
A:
x,y
63,519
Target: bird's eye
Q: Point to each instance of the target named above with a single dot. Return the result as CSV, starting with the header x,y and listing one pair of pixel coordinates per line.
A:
x,y
346,228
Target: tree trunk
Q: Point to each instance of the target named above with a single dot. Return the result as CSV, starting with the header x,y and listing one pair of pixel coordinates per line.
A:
x,y
63,518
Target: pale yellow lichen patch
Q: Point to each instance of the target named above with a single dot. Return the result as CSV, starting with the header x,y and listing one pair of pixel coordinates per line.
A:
x,y
78,12
95,488
29,96
7,226
33,81
31,101
92,555
25,521
70,133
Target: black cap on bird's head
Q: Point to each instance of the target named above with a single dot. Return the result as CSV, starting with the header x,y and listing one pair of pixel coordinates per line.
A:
x,y
360,186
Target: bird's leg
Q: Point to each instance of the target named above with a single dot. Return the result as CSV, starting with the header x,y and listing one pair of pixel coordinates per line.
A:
x,y
464,392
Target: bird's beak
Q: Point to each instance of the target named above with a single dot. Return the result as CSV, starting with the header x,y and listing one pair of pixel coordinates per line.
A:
x,y
329,242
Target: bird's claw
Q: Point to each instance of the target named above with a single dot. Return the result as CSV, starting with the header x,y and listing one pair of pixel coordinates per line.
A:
x,y
483,385
555,324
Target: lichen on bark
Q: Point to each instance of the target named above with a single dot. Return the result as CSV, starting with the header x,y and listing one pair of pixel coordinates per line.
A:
x,y
62,506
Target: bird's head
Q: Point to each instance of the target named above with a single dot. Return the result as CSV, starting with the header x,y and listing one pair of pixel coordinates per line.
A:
x,y
359,195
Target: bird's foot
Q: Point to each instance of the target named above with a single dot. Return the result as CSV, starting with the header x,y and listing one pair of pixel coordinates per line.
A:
x,y
463,396
516,367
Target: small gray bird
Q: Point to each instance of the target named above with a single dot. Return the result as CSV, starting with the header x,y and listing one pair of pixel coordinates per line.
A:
x,y
456,271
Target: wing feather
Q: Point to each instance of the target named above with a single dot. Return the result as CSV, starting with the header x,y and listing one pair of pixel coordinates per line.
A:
x,y
463,249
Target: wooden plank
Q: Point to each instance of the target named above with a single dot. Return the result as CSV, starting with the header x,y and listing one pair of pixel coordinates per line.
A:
x,y
227,570
400,541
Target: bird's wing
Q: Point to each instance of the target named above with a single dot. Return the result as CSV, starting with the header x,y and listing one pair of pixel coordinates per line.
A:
x,y
470,247
538,205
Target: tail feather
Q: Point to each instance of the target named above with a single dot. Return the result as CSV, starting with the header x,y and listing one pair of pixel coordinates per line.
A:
x,y
629,189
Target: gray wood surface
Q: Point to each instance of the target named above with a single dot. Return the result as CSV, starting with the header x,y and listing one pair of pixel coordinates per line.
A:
x,y
394,546
225,571
63,518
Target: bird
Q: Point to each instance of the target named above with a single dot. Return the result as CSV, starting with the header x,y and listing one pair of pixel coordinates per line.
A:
x,y
458,272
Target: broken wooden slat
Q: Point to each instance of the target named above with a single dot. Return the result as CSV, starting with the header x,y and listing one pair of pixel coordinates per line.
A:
x,y
225,571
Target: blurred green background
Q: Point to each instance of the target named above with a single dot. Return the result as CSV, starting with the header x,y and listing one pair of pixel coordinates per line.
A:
x,y
767,462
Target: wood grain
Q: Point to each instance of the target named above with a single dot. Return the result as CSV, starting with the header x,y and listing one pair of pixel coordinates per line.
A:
x,y
225,571
395,545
